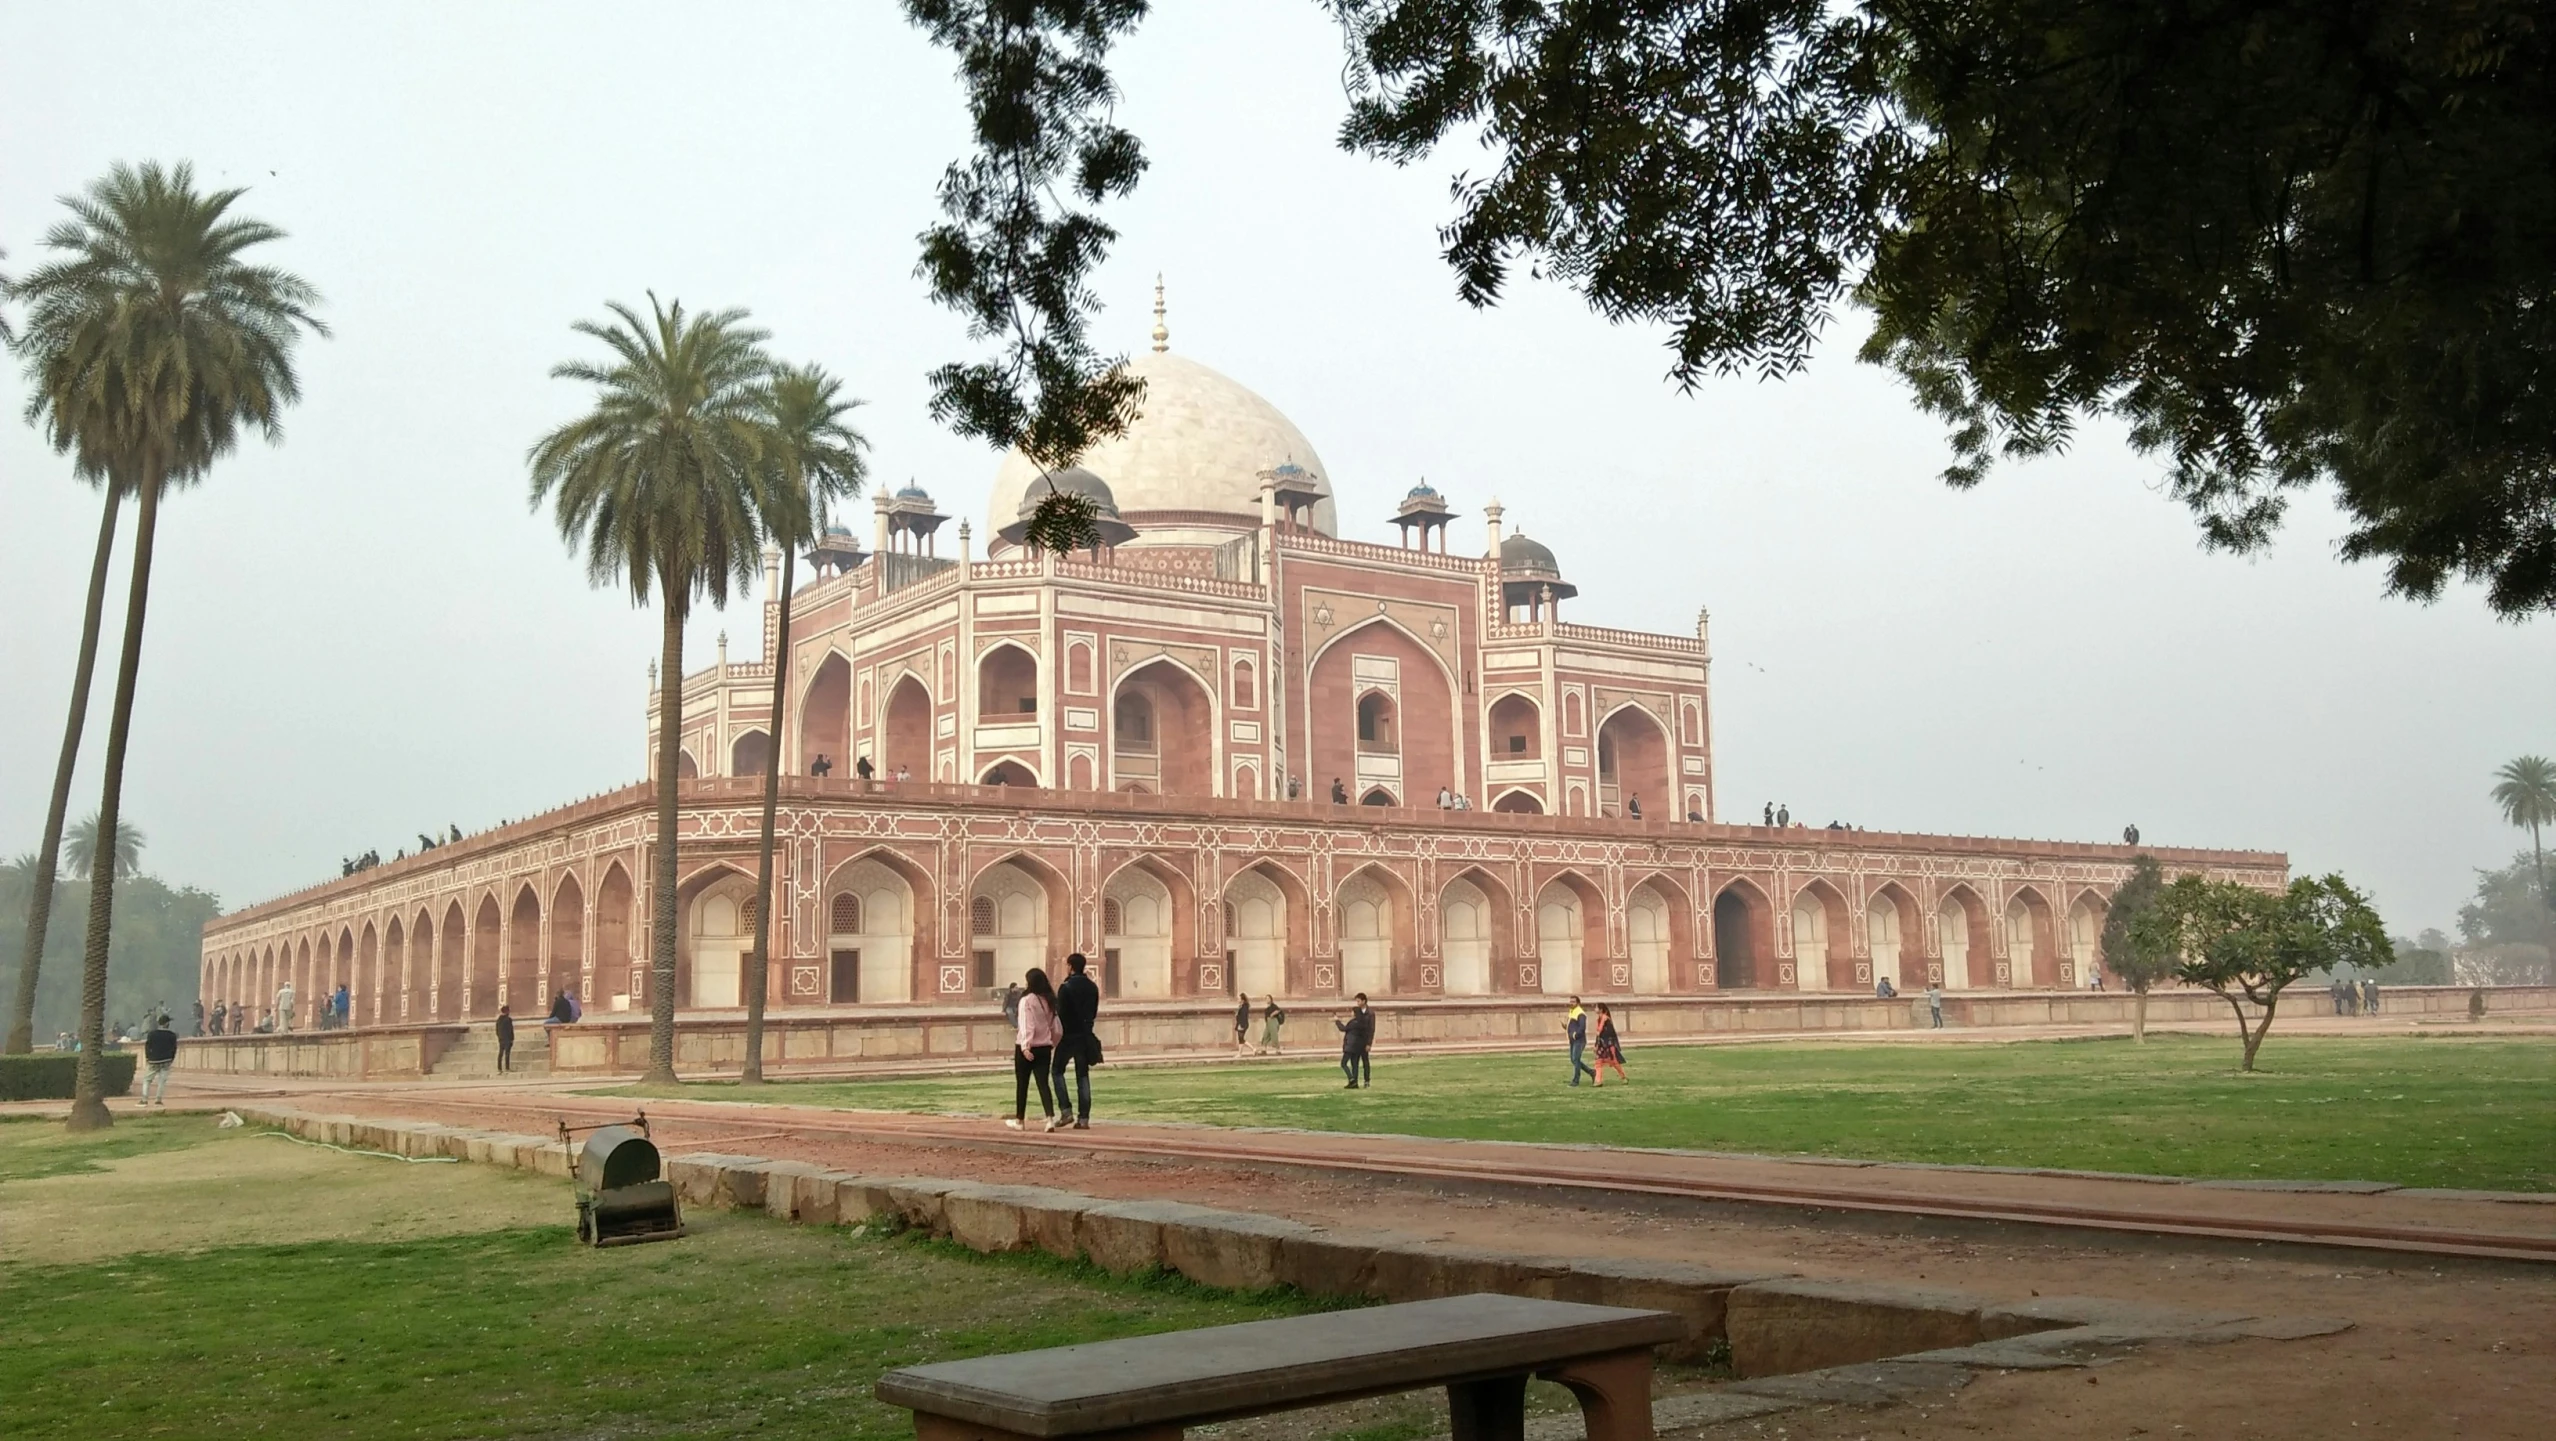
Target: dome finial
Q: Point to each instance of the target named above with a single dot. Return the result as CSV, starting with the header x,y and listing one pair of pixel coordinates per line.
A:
x,y
1162,334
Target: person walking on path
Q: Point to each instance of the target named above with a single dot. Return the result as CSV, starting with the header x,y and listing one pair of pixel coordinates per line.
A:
x,y
1242,1025
1034,1036
1077,1007
2369,996
284,1007
199,1016
1610,1047
1357,1043
505,1038
1935,1003
1575,1029
1271,1018
159,1051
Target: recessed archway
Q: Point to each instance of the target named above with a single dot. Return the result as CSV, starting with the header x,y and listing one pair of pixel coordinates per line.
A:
x,y
451,978
1373,912
1891,936
2031,944
1961,937
2085,941
1570,930
487,961
567,941
1633,762
620,976
1823,949
1519,803
1269,922
873,911
1013,909
523,958
1139,918
1006,685
825,718
905,731
1743,938
1381,712
751,755
1516,729
1657,937
1162,731
1465,925
717,931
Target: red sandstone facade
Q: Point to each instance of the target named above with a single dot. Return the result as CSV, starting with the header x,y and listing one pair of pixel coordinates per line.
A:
x,y
1134,752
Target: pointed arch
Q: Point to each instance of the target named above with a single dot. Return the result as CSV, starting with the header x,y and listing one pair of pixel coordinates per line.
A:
x,y
879,943
1633,762
365,1006
1743,937
452,977
565,970
1519,801
1823,947
1962,939
1477,934
520,985
1515,728
825,716
904,727
1020,912
1157,944
1372,916
1570,934
1006,684
1163,726
1379,656
618,976
1273,921
2032,940
714,936
751,755
2081,948
1895,937
1662,946
487,964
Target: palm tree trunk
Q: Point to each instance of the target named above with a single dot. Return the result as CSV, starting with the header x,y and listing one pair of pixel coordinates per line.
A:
x,y
758,977
661,904
49,856
88,1105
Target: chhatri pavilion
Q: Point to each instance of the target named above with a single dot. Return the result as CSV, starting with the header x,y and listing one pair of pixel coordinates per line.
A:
x,y
1227,749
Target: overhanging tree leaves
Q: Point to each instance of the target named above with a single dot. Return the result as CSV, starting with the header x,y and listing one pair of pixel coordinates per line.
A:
x,y
2289,242
2248,945
1015,254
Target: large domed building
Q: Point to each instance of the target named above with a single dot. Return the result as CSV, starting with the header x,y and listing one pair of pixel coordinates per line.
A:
x,y
1229,749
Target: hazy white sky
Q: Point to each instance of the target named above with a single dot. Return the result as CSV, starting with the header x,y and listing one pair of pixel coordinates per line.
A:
x,y
364,633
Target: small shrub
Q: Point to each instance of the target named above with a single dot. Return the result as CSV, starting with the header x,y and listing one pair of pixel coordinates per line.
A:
x,y
51,1075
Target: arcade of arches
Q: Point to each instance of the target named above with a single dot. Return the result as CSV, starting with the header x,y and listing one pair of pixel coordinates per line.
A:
x,y
1411,913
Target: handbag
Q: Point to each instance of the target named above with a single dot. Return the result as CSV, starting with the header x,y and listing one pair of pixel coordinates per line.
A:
x,y
1091,1048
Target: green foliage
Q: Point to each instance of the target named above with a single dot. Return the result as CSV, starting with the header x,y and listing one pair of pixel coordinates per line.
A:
x,y
2138,934
2249,945
80,847
154,955
2506,928
49,1075
659,481
1014,255
2420,960
1062,522
2418,1113
811,454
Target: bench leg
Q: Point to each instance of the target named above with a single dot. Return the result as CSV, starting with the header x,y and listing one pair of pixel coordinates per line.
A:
x,y
1614,1393
928,1427
1493,1410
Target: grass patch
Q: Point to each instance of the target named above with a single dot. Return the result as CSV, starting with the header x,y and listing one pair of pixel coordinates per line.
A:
x,y
2464,1113
33,1147
746,1327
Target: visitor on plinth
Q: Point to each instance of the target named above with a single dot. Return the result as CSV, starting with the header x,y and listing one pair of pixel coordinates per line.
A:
x,y
284,1007
1339,792
1078,1045
505,1038
1034,1036
1012,1004
1935,1003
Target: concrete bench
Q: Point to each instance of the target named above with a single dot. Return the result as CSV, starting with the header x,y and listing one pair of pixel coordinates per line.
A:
x,y
1149,1388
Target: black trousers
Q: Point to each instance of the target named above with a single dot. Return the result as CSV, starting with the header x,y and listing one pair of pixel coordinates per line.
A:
x,y
1353,1064
1023,1068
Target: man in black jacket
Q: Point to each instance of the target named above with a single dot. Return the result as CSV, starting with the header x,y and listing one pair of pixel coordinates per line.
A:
x,y
505,1038
1357,1038
1077,1004
159,1049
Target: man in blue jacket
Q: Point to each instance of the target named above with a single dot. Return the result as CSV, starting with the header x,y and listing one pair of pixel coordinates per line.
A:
x,y
1077,1005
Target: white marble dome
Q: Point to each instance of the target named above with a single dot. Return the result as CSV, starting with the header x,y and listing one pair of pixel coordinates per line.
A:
x,y
1199,443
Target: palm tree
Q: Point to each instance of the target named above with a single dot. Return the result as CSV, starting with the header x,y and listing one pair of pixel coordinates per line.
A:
x,y
80,846
88,433
659,484
153,341
2526,790
811,457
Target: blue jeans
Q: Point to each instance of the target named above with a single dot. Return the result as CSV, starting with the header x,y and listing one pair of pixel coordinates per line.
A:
x,y
1579,1062
1071,1053
1353,1062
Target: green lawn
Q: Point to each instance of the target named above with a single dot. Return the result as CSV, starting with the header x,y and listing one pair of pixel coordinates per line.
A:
x,y
748,1326
2413,1112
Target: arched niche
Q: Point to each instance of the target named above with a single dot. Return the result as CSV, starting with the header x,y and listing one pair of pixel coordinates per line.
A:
x,y
905,730
1014,907
1570,931
1372,911
1658,936
751,755
1006,685
1516,729
874,909
619,972
1633,764
1823,947
1144,925
1402,686
1962,939
1162,729
825,718
1266,937
1893,937
2032,950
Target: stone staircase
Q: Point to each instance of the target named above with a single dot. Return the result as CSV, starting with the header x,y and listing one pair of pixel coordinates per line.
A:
x,y
475,1054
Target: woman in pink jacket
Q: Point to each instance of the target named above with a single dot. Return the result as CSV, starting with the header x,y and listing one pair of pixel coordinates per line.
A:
x,y
1034,1048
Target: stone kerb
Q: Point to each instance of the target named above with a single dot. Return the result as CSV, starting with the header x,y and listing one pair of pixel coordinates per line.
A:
x,y
1774,1325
